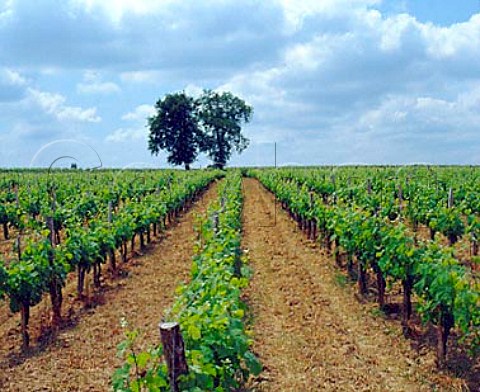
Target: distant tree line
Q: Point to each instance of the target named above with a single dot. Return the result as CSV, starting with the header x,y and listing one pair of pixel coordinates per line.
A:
x,y
184,126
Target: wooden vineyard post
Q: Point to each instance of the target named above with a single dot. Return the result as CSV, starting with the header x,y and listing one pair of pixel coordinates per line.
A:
x,y
54,201
155,224
450,198
110,212
55,287
452,238
474,250
222,204
113,262
17,199
312,226
361,270
19,237
174,352
334,189
400,201
215,222
18,244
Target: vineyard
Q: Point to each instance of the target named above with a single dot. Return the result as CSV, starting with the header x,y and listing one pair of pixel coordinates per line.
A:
x,y
331,278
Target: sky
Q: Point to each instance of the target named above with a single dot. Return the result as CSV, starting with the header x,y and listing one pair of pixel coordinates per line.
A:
x,y
330,81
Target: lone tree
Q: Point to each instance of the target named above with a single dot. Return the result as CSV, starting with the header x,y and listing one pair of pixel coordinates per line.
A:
x,y
174,128
221,116
184,126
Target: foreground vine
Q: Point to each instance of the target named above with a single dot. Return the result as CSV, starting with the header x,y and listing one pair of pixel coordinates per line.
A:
x,y
208,309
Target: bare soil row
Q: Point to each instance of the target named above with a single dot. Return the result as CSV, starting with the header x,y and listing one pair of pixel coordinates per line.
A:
x,y
311,333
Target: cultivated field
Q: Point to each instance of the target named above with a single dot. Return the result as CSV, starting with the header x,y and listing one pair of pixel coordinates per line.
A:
x,y
291,279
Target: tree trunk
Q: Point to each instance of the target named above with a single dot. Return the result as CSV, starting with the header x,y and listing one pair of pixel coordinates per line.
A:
x,y
187,166
80,281
443,332
142,242
415,225
452,239
362,278
474,250
407,298
338,261
132,244
113,261
5,231
56,298
350,266
25,316
19,247
441,347
237,268
96,275
407,304
328,244
381,284
123,249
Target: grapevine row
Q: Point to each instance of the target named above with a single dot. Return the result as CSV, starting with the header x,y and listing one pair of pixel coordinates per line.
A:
x,y
90,233
208,309
448,293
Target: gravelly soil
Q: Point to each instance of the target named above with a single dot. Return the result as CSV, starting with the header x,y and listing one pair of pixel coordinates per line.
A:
x,y
311,333
82,357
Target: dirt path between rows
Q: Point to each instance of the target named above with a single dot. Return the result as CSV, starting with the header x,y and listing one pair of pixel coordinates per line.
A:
x,y
311,333
83,356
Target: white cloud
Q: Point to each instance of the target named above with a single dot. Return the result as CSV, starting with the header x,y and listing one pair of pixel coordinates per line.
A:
x,y
140,114
93,84
471,98
122,135
116,9
334,78
141,76
98,88
6,10
297,11
193,90
453,41
371,87
395,29
422,117
14,77
12,85
54,104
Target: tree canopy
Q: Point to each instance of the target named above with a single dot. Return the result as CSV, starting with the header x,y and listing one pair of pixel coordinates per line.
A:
x,y
221,116
184,126
174,128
